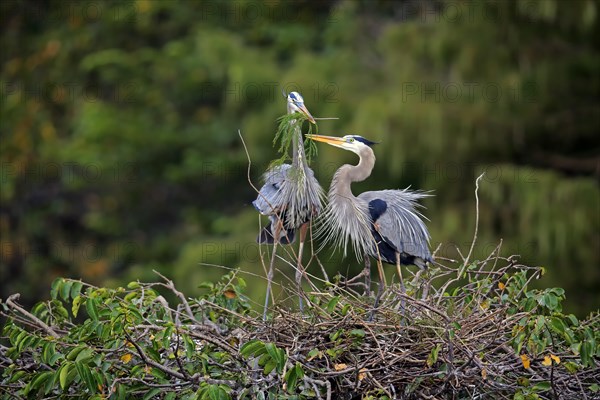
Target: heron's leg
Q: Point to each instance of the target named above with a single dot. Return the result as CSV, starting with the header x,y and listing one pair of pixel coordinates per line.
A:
x,y
270,272
367,272
399,269
299,267
402,288
380,289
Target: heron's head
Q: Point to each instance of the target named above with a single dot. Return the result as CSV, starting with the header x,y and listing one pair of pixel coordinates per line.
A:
x,y
295,103
354,143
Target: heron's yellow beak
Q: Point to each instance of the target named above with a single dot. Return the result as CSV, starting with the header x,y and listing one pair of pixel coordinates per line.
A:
x,y
332,140
305,111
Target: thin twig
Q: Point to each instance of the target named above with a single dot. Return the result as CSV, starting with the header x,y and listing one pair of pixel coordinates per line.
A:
x,y
149,361
476,217
10,301
171,286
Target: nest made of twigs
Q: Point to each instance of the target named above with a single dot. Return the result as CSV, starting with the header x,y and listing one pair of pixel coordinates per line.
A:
x,y
471,330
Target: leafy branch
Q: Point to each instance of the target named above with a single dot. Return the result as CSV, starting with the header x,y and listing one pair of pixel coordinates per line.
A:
x,y
486,334
286,131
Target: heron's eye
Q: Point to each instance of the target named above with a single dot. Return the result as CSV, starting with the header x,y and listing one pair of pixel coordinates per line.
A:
x,y
351,140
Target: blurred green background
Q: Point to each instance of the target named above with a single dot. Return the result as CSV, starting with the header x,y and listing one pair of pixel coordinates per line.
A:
x,y
119,130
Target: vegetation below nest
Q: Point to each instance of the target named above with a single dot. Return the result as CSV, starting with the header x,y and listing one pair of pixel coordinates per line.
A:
x,y
470,330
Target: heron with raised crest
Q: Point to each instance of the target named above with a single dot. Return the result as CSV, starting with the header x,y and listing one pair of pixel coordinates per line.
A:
x,y
383,224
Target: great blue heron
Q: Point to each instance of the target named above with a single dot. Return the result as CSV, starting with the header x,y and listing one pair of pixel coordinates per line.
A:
x,y
383,224
291,197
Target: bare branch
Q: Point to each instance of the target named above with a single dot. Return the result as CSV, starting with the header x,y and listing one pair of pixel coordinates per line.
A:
x,y
10,301
171,286
476,217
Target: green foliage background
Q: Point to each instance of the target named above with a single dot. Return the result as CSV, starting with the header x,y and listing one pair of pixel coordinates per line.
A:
x,y
120,153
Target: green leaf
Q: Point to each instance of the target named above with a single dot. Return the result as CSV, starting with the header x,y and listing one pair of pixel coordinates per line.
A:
x,y
334,336
519,396
155,355
272,350
136,313
529,304
50,383
549,300
292,377
433,355
48,350
84,355
345,309
65,290
16,376
137,371
332,303
357,333
573,320
92,308
40,309
54,358
263,359
594,388
150,394
73,353
558,325
539,323
542,387
61,310
55,287
130,296
571,367
85,374
37,382
253,348
166,340
76,289
157,373
64,374
17,340
241,282
206,285
278,355
313,353
170,396
76,305
216,392
28,342
133,285
269,366
586,353
190,346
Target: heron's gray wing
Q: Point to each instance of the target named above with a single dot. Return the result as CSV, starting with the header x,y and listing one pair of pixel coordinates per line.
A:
x,y
270,199
399,223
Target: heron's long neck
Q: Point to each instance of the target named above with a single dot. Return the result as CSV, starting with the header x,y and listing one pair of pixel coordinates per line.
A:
x,y
297,145
352,173
347,215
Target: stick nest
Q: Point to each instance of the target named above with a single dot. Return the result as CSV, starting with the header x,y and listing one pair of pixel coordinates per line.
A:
x,y
461,331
